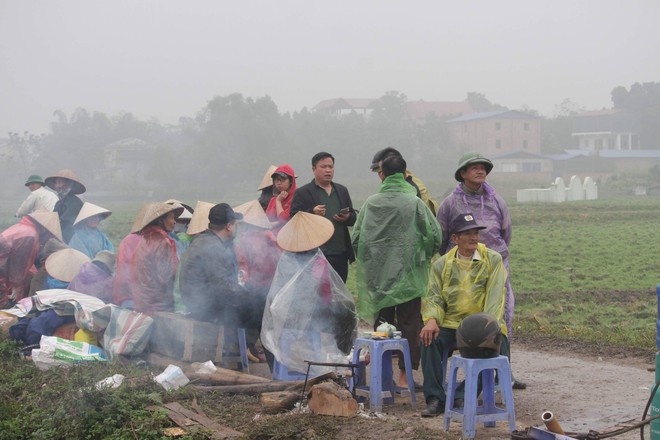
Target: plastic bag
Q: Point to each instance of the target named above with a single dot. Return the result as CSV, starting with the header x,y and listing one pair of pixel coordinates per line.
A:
x,y
172,378
55,351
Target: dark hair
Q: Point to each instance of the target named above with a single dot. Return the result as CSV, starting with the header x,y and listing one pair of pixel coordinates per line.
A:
x,y
382,154
320,156
392,165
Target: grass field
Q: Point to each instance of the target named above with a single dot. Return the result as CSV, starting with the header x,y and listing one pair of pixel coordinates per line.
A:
x,y
584,270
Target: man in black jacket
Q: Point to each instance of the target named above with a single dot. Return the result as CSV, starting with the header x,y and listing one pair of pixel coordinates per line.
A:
x,y
324,197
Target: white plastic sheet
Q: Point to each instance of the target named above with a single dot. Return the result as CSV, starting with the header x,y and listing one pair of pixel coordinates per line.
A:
x,y
309,314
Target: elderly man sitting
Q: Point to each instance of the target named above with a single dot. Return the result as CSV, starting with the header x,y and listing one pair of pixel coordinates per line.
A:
x,y
466,280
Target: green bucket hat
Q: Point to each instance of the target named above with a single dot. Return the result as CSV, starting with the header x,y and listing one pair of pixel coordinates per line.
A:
x,y
471,158
35,178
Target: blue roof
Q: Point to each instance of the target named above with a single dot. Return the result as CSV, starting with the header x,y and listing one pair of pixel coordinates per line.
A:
x,y
630,154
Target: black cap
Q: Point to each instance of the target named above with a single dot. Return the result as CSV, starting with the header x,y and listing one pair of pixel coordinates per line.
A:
x,y
281,174
464,222
222,214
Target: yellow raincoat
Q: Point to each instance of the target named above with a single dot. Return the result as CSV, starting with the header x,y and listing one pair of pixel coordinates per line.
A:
x,y
458,289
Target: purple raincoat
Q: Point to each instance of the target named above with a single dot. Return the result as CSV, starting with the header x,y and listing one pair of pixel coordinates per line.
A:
x,y
491,211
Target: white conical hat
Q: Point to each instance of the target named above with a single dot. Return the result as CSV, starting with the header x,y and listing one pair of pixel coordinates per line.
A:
x,y
268,178
200,218
254,214
151,211
49,220
187,210
90,210
64,265
76,188
304,232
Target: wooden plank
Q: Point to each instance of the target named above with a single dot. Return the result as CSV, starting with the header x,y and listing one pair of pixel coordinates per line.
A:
x,y
220,431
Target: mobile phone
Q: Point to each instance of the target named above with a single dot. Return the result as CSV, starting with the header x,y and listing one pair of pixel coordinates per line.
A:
x,y
344,210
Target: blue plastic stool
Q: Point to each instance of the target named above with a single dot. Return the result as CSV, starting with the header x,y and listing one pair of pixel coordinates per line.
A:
x,y
289,336
381,387
242,347
488,413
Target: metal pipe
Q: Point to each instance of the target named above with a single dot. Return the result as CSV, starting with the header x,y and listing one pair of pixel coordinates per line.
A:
x,y
551,423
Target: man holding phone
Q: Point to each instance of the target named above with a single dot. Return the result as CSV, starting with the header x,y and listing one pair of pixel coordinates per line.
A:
x,y
331,200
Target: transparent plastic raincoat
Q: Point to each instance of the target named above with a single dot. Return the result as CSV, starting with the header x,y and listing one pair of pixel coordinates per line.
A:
x,y
309,314
154,268
458,288
394,239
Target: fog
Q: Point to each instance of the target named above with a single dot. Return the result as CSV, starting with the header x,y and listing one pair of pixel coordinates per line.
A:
x,y
166,59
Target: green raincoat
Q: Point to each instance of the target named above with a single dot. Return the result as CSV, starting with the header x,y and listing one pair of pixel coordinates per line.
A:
x,y
458,289
394,238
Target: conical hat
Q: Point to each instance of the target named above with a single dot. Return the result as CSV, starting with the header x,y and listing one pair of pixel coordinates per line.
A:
x,y
64,265
254,214
187,210
152,211
90,210
268,179
200,218
108,258
77,188
304,232
48,220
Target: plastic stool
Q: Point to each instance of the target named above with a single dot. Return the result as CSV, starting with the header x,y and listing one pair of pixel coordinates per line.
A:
x,y
281,372
443,368
471,414
381,387
290,336
242,346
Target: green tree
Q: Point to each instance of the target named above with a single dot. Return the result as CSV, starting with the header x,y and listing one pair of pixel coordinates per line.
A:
x,y
480,103
643,100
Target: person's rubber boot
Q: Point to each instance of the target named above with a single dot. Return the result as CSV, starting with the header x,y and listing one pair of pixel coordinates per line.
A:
x,y
434,407
516,384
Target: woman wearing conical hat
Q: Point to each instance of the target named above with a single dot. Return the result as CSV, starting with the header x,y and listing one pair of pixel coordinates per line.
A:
x,y
95,278
87,237
66,184
152,263
307,299
266,187
19,247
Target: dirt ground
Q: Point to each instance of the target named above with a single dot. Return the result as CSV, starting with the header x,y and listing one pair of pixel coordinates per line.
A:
x,y
587,388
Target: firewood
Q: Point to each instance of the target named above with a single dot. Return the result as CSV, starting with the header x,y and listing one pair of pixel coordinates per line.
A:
x,y
255,388
330,399
222,376
278,401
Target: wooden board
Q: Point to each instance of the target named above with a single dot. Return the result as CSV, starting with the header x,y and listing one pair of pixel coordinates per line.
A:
x,y
183,338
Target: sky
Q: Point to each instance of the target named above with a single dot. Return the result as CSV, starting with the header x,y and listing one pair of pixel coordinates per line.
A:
x,y
165,59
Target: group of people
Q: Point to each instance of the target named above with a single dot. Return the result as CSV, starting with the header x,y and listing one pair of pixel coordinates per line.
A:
x,y
279,264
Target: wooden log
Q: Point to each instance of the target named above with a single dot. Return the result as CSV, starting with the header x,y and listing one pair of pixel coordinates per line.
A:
x,y
330,399
255,388
222,376
279,401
